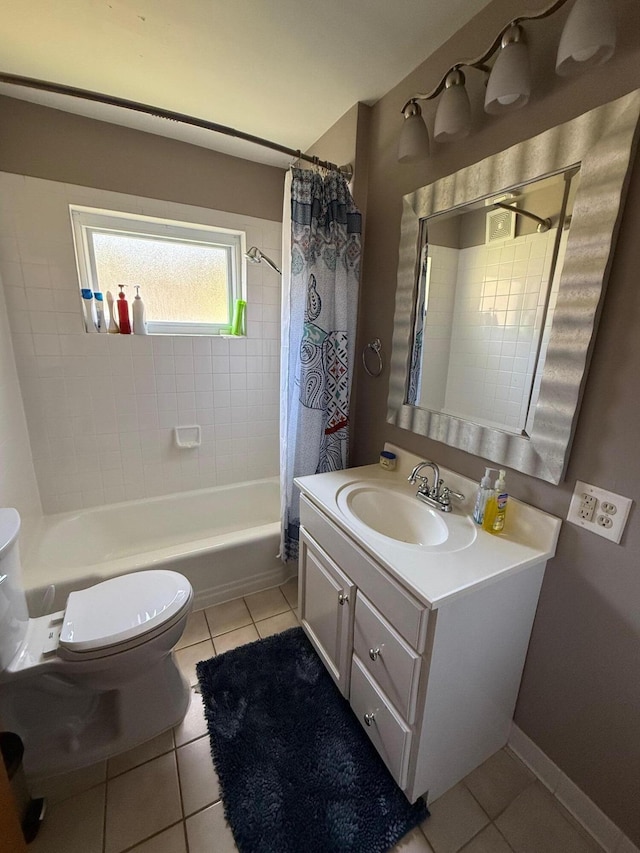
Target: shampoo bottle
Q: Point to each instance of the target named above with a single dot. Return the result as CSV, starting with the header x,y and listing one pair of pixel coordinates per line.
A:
x,y
89,310
123,312
139,322
113,324
99,301
496,507
484,493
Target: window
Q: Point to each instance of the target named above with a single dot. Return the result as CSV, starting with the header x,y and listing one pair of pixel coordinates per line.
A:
x,y
189,275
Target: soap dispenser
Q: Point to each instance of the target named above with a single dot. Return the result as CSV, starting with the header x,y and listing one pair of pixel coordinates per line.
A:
x,y
139,321
123,312
484,493
496,508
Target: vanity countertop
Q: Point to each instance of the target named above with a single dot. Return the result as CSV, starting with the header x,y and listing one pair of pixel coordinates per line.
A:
x,y
436,574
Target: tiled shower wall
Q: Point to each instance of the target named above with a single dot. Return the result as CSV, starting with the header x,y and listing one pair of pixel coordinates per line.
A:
x,y
492,328
101,409
18,487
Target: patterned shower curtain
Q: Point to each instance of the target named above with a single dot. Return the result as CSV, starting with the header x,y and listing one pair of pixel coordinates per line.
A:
x,y
321,268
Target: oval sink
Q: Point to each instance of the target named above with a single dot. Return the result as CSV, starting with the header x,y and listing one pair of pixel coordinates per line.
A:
x,y
401,517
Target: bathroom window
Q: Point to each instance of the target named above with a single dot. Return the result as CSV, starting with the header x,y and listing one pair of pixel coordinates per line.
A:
x,y
189,275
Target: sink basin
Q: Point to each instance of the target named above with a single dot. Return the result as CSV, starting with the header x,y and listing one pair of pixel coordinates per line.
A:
x,y
397,515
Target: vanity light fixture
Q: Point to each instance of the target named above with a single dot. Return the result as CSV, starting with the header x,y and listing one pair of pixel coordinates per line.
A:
x,y
588,38
453,116
509,84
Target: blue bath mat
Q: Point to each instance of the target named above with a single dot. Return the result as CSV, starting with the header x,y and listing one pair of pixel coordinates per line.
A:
x,y
297,773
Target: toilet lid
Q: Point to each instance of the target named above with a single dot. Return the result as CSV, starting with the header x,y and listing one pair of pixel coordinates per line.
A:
x,y
122,608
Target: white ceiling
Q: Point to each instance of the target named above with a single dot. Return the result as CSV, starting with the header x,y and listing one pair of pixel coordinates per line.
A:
x,y
285,70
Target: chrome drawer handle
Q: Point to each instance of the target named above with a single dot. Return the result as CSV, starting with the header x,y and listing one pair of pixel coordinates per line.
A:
x,y
373,654
343,599
369,719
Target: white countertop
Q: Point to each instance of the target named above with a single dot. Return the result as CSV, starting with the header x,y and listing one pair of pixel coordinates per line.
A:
x,y
436,575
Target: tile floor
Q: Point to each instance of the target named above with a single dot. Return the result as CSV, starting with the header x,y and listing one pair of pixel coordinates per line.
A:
x,y
163,796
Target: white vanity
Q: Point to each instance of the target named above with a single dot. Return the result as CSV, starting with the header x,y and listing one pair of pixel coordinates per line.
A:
x,y
421,617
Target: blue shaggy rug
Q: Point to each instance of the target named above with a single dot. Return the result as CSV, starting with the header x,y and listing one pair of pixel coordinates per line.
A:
x,y
297,772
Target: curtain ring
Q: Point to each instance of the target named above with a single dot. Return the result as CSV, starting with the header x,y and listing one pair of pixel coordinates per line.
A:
x,y
376,347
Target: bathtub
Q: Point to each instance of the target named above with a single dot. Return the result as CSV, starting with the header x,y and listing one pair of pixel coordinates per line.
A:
x,y
225,540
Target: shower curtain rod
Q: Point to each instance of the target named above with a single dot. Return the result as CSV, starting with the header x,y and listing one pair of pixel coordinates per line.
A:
x,y
170,115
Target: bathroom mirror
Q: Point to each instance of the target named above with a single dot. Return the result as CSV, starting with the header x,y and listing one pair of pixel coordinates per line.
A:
x,y
475,364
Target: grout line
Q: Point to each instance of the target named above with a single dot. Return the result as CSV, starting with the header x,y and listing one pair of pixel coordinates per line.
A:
x,y
149,837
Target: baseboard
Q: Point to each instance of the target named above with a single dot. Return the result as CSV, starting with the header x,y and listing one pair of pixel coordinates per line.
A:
x,y
584,810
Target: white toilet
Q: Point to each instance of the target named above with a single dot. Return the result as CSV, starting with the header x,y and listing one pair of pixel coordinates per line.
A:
x,y
96,678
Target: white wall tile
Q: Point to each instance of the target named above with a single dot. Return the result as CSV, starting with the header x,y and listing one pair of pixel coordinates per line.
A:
x,y
120,396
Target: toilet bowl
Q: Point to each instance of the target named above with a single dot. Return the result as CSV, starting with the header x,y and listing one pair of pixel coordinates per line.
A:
x,y
96,678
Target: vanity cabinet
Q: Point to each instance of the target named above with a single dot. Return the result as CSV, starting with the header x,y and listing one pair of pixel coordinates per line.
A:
x,y
434,688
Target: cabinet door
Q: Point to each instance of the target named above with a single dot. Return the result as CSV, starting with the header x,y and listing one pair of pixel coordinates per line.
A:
x,y
327,602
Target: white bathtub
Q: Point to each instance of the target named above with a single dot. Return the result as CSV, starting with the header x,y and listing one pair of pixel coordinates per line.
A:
x,y
224,540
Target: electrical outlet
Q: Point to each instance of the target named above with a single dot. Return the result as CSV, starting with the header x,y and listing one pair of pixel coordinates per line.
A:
x,y
601,512
587,506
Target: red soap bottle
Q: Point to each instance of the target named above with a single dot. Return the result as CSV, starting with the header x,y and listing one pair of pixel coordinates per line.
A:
x,y
123,312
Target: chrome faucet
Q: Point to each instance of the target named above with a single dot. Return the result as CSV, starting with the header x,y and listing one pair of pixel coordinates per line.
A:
x,y
438,495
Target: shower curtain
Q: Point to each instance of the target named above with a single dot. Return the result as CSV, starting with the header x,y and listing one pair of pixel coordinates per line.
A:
x,y
321,268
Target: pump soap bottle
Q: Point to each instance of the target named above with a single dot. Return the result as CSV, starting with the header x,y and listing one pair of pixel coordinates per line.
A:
x,y
123,312
484,493
496,508
139,321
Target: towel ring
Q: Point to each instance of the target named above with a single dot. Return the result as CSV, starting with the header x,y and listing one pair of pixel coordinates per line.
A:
x,y
376,347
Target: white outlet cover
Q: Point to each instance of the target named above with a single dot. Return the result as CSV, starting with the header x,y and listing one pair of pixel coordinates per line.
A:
x,y
619,519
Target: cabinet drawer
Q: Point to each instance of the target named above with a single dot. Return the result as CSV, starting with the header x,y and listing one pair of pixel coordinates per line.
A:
x,y
399,606
387,731
392,663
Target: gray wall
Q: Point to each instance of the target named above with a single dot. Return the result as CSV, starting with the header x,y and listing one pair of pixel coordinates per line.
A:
x,y
46,143
580,696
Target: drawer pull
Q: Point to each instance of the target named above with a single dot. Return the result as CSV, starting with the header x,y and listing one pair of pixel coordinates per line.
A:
x,y
369,719
343,599
373,653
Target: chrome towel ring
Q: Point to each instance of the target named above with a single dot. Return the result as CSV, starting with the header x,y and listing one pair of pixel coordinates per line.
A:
x,y
376,347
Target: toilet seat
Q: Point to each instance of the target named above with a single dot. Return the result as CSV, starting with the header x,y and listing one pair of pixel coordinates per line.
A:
x,y
123,612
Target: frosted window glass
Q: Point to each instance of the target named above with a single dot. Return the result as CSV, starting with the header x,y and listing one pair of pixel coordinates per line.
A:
x,y
179,282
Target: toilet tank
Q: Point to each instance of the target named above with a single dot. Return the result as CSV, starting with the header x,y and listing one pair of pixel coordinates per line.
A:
x,y
14,615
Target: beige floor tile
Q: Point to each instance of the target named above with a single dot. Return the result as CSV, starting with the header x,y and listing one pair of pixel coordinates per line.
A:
x,y
73,826
226,642
142,802
207,831
498,781
455,818
58,788
276,624
196,630
194,724
488,841
414,842
227,617
290,591
139,754
268,603
188,657
535,823
170,841
198,778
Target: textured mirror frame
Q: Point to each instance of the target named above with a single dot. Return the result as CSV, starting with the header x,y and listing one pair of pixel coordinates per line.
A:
x,y
602,141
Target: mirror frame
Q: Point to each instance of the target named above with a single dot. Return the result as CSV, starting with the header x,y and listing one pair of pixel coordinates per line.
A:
x,y
602,141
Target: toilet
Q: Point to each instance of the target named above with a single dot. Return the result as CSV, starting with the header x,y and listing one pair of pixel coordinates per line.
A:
x,y
96,678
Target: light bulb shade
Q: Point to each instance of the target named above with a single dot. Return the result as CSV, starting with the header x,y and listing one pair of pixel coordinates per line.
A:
x,y
453,116
588,37
509,84
413,144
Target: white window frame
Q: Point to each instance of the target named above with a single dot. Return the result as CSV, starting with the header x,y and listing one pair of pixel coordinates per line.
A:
x,y
88,220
